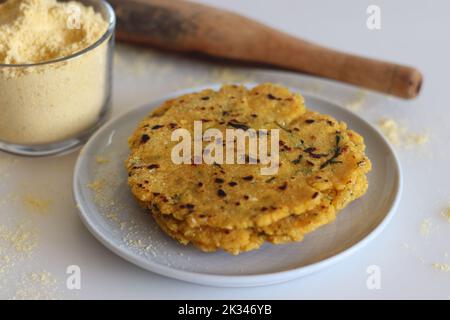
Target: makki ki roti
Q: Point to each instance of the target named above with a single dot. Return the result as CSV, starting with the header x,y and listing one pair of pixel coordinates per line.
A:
x,y
292,228
232,206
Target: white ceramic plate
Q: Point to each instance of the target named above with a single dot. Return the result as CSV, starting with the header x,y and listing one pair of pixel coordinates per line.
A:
x,y
109,211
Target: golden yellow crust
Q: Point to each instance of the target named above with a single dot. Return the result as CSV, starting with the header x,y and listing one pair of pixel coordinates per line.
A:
x,y
323,168
291,228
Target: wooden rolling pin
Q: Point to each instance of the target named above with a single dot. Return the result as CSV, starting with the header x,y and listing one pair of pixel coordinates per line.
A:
x,y
190,27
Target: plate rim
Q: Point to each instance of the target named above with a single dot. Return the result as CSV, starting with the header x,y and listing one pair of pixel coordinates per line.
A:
x,y
231,280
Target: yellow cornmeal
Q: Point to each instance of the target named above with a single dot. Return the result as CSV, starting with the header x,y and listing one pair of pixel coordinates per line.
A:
x,y
96,185
399,135
36,204
50,102
446,214
33,31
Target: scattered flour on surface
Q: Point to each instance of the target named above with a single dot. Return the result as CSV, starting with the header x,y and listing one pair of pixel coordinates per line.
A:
x,y
413,251
9,198
228,75
7,163
444,267
446,214
132,61
36,286
425,227
101,160
400,136
357,102
133,233
37,204
97,185
19,238
17,244
313,87
20,277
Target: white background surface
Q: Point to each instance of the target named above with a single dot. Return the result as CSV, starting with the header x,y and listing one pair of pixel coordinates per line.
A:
x,y
413,32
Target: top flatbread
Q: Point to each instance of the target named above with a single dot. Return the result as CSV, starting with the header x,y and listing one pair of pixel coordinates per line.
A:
x,y
318,155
